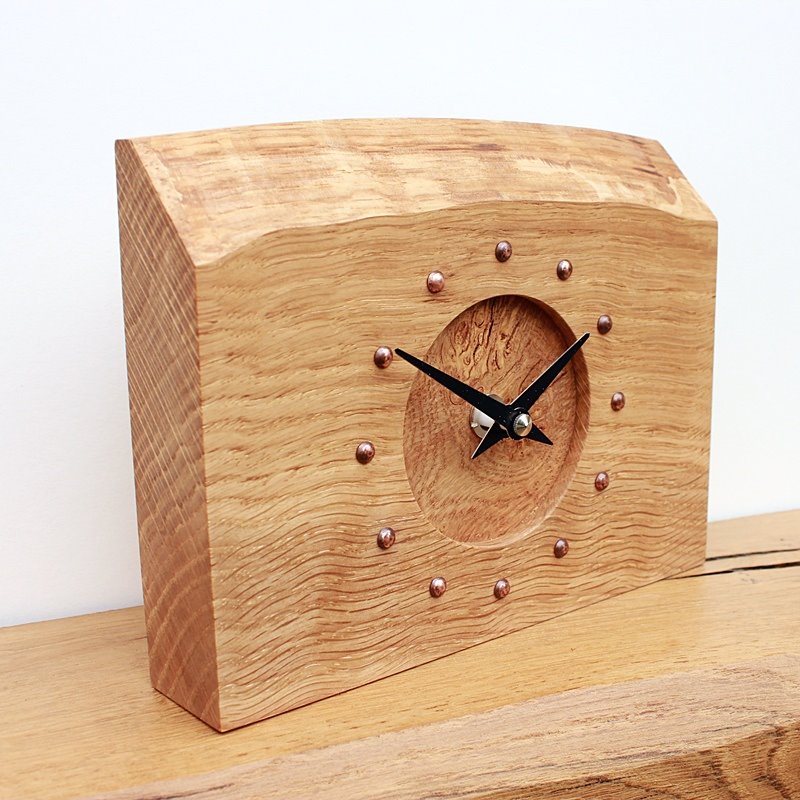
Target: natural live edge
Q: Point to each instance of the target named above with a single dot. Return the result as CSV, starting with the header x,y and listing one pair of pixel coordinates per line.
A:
x,y
311,174
231,495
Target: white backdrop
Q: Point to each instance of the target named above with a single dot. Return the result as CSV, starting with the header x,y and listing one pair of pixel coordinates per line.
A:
x,y
716,83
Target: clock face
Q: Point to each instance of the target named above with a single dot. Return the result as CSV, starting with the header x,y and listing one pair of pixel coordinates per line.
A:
x,y
498,346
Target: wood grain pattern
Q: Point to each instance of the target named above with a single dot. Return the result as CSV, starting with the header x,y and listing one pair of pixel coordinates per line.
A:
x,y
745,743
164,385
288,314
81,720
224,189
734,539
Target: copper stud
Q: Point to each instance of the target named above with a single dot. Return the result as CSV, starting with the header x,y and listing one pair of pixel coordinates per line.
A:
x,y
564,269
601,481
383,357
502,588
435,282
617,401
604,324
438,587
560,548
386,538
502,252
365,452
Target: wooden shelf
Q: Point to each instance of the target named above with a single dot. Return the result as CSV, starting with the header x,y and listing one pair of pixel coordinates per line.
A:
x,y
686,688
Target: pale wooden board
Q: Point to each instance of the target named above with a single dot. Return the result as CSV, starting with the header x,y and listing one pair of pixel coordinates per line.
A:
x,y
290,254
81,719
768,533
773,539
720,733
750,561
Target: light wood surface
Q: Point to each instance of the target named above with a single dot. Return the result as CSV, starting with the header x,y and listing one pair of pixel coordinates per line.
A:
x,y
686,688
601,741
164,387
308,247
224,189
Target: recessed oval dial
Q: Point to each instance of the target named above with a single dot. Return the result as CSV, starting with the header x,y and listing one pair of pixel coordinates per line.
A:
x,y
498,346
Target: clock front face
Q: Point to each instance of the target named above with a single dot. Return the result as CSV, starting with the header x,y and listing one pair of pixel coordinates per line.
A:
x,y
498,346
346,512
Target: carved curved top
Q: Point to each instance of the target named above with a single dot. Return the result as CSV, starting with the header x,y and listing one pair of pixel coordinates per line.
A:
x,y
225,188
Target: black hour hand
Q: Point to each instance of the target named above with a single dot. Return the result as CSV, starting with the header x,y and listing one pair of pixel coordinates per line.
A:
x,y
491,407
507,419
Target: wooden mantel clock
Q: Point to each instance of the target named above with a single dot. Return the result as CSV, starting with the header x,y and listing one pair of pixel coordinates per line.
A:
x,y
402,386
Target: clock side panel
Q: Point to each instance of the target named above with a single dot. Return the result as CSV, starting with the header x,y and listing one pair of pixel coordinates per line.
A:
x,y
306,604
164,387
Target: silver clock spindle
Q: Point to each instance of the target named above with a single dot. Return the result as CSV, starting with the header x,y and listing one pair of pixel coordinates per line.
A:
x,y
481,422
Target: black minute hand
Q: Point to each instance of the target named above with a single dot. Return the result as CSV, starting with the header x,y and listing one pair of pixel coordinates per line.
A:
x,y
537,388
528,397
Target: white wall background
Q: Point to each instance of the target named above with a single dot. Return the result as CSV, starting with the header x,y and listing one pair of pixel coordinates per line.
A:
x,y
717,83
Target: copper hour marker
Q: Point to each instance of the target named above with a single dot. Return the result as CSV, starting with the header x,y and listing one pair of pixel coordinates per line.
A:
x,y
617,401
438,587
386,538
503,251
435,282
604,324
601,481
502,588
383,357
560,548
365,452
564,269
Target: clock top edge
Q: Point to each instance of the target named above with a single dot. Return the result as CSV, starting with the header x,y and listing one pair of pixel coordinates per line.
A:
x,y
224,188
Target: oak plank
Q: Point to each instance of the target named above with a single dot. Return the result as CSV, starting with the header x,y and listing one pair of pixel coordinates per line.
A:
x,y
749,561
715,732
80,717
763,533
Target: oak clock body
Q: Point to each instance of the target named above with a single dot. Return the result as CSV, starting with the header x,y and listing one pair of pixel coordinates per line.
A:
x,y
318,507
